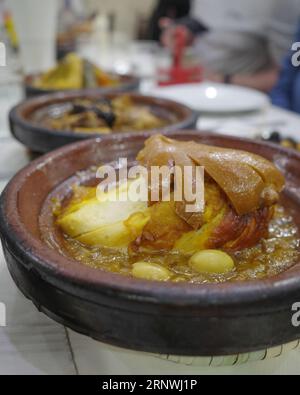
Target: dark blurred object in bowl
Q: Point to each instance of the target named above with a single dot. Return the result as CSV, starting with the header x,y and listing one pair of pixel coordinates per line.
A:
x,y
36,122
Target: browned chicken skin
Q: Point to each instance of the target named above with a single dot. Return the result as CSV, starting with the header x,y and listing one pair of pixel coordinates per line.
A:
x,y
241,190
249,181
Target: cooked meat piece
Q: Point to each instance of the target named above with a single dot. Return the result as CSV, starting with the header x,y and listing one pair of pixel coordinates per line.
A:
x,y
164,228
249,181
240,192
239,232
221,226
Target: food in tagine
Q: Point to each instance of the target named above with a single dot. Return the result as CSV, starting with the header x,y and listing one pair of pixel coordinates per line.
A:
x,y
74,72
277,138
121,114
242,234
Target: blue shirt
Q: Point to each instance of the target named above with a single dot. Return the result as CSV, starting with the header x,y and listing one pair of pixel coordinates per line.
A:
x,y
286,93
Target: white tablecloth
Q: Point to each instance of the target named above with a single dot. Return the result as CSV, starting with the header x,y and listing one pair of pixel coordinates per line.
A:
x,y
33,344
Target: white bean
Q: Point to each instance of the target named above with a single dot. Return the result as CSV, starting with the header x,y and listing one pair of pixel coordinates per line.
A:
x,y
211,261
150,271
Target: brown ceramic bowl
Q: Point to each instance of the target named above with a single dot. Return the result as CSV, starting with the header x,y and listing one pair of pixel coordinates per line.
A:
x,y
41,139
128,83
168,318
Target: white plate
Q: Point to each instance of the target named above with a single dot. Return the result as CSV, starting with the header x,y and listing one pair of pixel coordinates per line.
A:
x,y
217,98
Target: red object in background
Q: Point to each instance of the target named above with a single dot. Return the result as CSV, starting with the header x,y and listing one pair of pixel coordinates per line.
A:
x,y
178,74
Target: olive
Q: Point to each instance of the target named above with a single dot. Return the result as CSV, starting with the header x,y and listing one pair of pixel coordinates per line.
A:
x,y
150,271
211,261
275,137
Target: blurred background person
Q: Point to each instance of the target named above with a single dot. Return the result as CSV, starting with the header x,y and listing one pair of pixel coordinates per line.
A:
x,y
286,93
282,27
245,40
171,9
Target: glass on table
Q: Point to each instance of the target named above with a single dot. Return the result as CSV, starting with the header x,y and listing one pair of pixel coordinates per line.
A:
x,y
36,26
